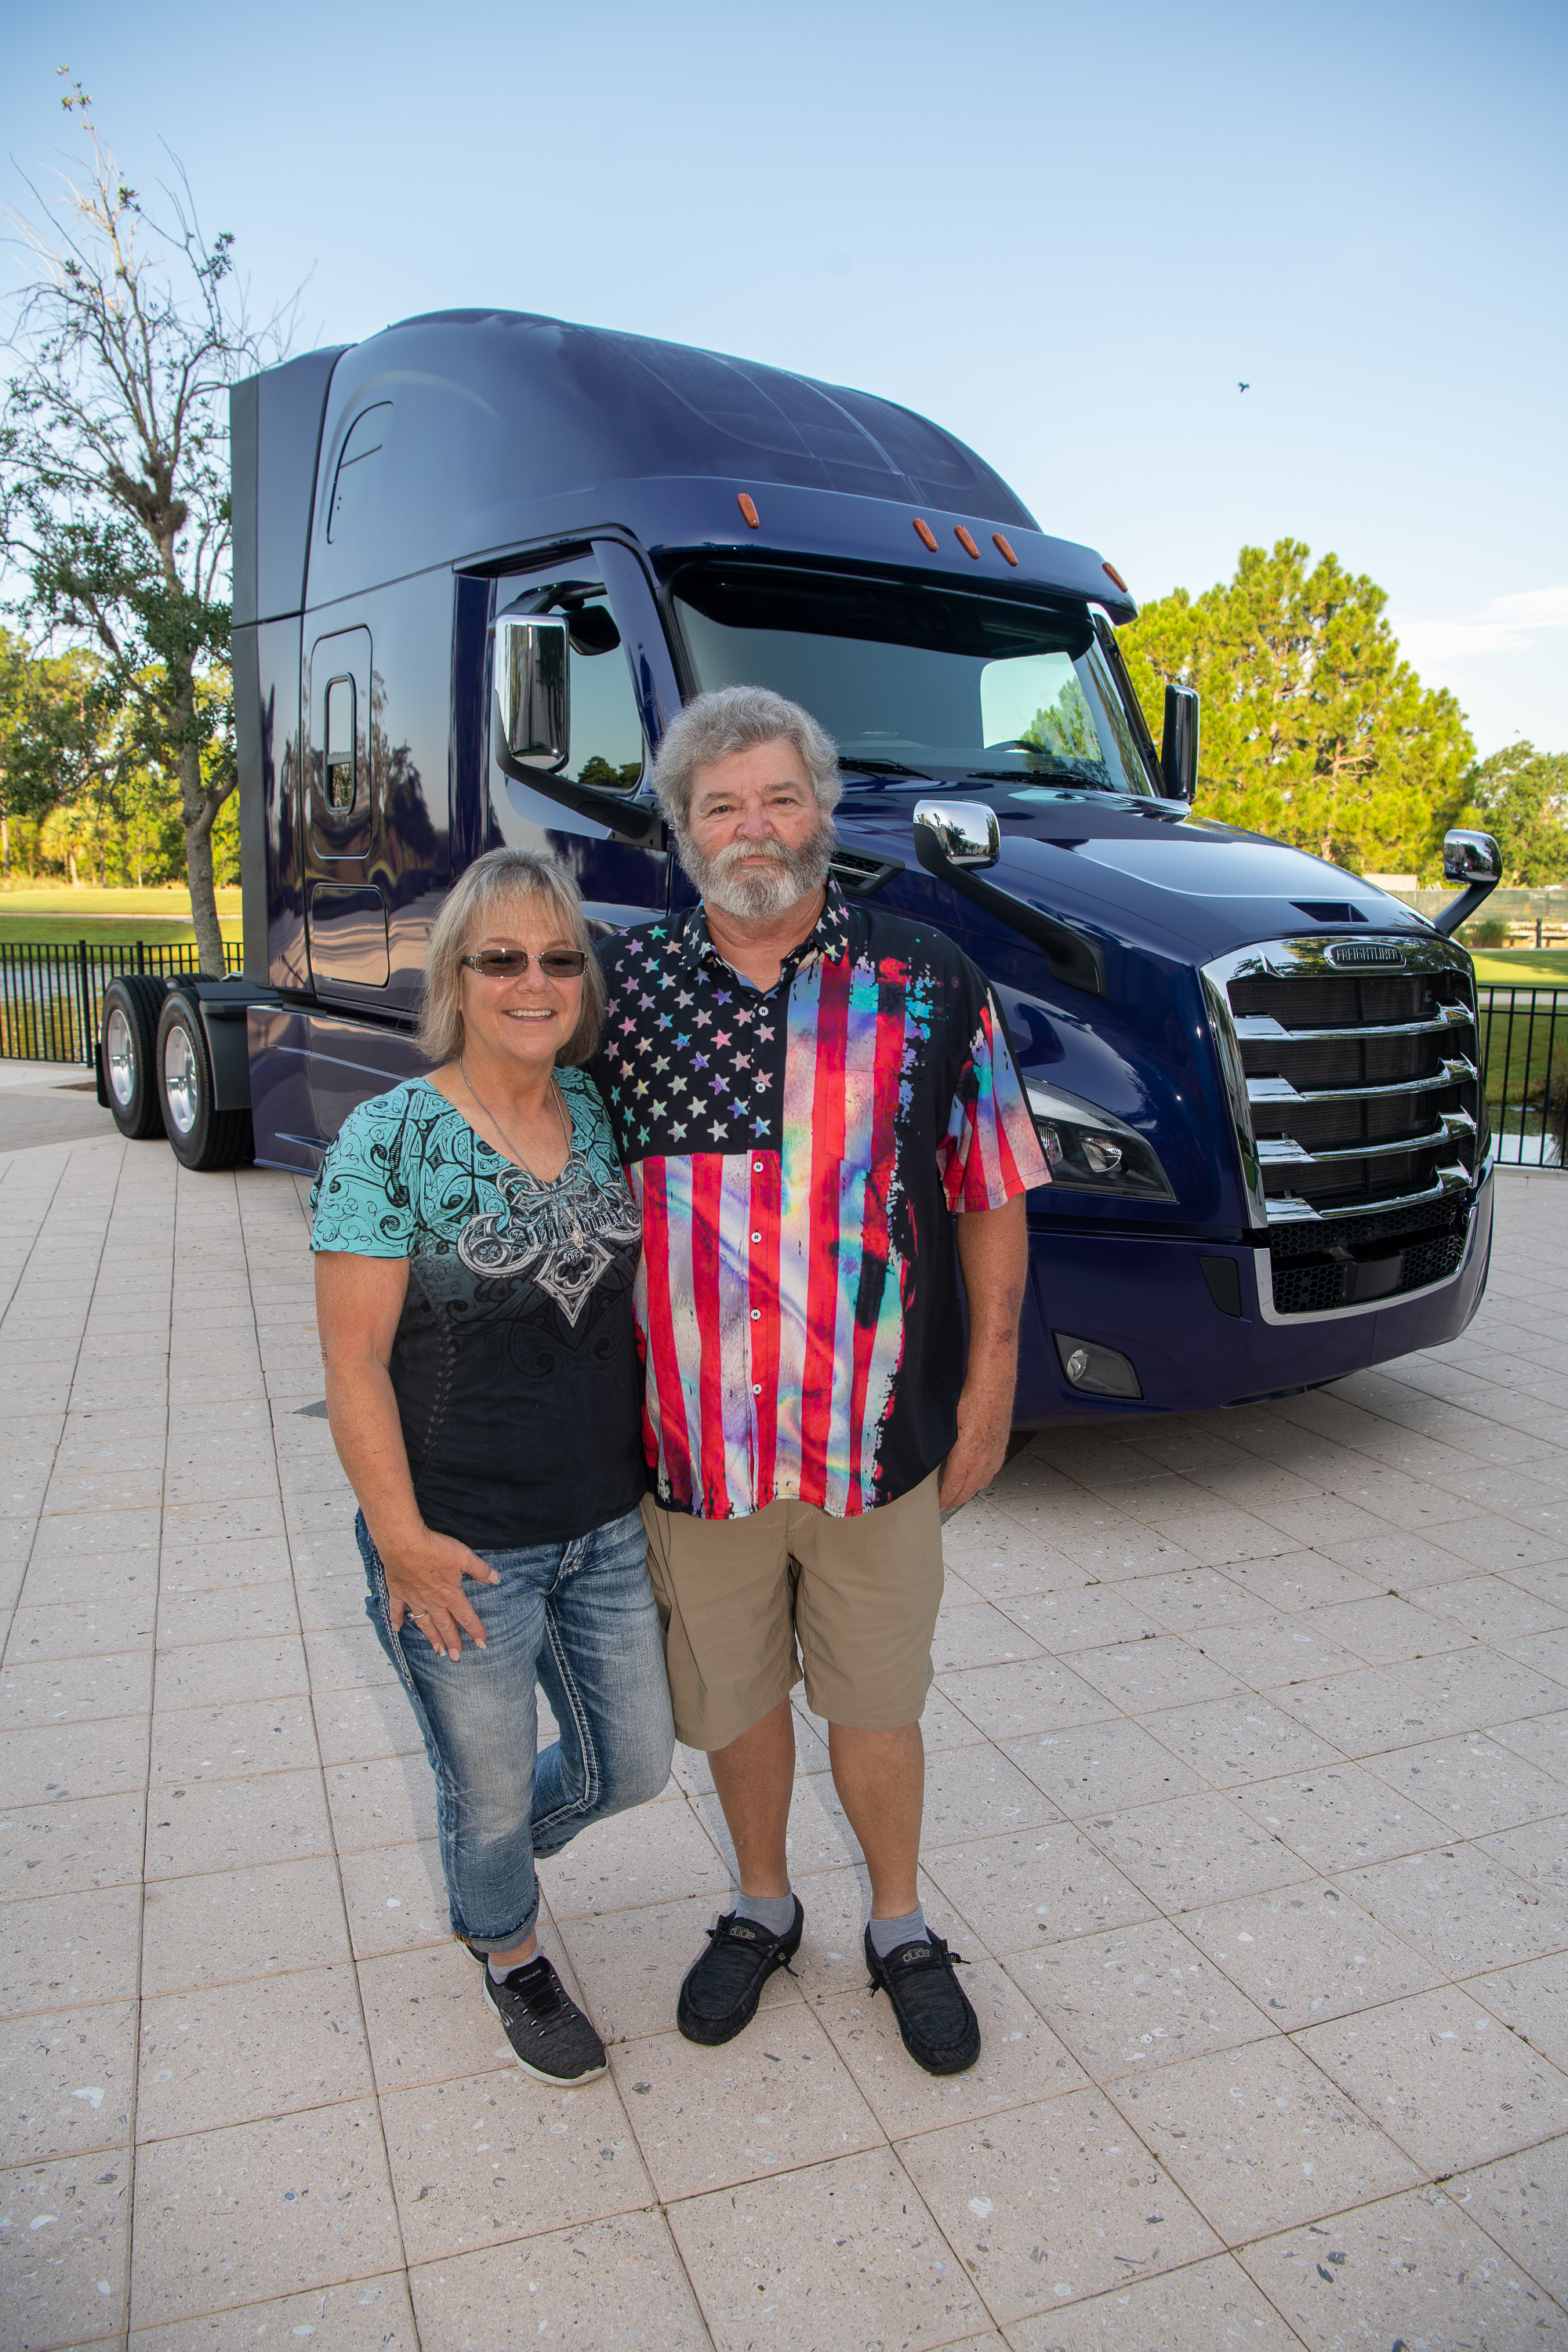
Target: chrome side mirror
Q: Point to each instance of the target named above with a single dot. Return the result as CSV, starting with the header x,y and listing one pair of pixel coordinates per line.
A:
x,y
532,690
1471,857
1179,748
1475,860
954,837
965,832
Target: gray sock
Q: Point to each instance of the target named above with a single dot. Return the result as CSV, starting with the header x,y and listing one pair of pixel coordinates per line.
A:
x,y
774,1912
887,1935
499,1976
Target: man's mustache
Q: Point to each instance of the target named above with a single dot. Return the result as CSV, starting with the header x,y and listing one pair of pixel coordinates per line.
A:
x,y
774,851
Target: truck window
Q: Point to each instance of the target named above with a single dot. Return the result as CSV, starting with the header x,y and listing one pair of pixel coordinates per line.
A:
x,y
607,747
340,743
929,677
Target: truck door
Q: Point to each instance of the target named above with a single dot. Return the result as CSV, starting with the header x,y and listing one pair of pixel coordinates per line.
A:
x,y
345,912
621,882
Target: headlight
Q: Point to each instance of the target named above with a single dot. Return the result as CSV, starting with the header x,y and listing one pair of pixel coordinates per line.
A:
x,y
1090,1150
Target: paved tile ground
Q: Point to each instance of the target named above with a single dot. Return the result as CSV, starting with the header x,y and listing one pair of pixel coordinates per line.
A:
x,y
1247,1791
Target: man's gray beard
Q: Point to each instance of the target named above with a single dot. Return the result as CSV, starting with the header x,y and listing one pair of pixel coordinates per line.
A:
x,y
753,898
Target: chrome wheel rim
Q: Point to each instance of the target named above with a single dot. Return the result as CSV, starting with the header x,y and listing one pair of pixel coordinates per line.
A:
x,y
119,1057
181,1083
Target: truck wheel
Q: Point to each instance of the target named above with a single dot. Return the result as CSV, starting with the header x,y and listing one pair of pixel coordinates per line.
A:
x,y
199,1136
129,1045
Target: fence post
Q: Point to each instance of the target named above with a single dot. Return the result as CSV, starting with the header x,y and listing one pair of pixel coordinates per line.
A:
x,y
88,1027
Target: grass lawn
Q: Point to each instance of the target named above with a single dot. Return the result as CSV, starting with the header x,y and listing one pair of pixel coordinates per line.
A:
x,y
105,917
1523,966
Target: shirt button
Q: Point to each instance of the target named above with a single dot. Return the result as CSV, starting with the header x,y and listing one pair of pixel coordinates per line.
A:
x,y
756,1167
756,1314
756,1388
756,1237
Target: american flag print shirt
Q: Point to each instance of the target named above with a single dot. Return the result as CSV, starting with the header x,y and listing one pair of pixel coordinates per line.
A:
x,y
797,1157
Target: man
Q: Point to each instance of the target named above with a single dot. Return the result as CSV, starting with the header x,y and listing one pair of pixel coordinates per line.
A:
x,y
811,1099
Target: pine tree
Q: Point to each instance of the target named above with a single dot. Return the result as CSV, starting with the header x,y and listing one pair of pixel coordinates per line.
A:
x,y
1314,729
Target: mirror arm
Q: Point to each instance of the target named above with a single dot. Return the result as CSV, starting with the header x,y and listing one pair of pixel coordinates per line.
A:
x,y
1077,961
629,821
1459,910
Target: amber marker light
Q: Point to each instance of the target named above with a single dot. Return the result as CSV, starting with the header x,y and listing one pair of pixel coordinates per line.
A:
x,y
926,532
1111,573
748,506
997,541
965,542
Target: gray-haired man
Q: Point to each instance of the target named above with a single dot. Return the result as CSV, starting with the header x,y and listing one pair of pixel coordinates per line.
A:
x,y
811,1102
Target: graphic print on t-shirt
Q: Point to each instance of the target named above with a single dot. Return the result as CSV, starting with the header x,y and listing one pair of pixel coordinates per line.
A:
x,y
565,1235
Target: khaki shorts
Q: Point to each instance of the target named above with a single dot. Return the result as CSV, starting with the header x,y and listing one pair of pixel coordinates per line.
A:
x,y
735,1596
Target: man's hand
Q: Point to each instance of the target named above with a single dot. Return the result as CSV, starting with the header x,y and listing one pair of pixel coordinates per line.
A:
x,y
993,1253
424,1576
985,1425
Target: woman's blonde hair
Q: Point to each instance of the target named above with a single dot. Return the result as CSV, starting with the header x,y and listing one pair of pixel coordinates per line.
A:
x,y
501,877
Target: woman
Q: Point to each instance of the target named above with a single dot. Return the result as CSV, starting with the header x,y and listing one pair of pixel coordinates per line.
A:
x,y
476,1244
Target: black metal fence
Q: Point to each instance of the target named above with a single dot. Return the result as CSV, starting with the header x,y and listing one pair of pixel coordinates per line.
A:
x,y
51,1009
1524,1050
51,997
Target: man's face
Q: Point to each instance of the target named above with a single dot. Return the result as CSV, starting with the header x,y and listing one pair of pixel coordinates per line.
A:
x,y
755,841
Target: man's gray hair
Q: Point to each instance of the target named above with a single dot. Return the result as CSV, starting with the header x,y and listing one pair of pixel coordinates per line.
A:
x,y
737,718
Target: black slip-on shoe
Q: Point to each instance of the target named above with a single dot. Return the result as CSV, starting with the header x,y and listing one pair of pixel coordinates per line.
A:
x,y
722,1989
936,2017
551,2038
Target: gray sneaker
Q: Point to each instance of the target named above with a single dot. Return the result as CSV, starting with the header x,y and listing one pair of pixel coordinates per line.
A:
x,y
550,2038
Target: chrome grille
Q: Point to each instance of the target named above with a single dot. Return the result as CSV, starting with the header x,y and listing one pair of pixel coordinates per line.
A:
x,y
1359,1110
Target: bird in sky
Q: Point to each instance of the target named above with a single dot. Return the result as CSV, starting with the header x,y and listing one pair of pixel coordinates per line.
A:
x,y
1244,387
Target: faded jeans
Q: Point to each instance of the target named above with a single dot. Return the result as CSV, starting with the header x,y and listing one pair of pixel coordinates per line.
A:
x,y
579,1619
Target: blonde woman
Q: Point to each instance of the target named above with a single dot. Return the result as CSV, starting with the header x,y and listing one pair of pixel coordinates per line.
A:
x,y
476,1244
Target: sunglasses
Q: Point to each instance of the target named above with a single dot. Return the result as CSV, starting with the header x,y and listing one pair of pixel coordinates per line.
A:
x,y
510,963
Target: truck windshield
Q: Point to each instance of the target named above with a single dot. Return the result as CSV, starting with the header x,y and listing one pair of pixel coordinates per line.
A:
x,y
928,680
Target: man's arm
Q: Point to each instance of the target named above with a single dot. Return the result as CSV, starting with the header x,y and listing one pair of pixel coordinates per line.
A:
x,y
993,1252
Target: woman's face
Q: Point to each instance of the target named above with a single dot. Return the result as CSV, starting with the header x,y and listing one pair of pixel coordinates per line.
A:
x,y
529,1017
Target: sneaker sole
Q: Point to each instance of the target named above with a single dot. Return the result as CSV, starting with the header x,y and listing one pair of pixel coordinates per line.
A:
x,y
959,2063
561,2081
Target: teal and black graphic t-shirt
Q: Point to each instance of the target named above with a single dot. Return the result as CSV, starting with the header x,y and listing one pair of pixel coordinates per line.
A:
x,y
515,1364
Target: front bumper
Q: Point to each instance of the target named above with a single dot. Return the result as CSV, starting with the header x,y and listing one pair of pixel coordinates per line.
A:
x,y
1151,1302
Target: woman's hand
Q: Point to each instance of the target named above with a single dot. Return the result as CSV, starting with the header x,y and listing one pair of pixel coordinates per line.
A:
x,y
425,1578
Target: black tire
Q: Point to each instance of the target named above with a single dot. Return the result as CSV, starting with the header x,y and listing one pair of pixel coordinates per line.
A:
x,y
129,1045
199,1137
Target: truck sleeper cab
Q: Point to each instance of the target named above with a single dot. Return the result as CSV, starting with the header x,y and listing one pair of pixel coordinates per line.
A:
x,y
482,558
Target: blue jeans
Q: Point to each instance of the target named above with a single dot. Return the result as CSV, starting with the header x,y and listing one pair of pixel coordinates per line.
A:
x,y
578,1618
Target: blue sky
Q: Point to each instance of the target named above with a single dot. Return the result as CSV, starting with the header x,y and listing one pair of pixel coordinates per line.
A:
x,y
1068,234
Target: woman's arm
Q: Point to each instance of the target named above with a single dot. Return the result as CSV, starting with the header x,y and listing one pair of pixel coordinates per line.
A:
x,y
358,1301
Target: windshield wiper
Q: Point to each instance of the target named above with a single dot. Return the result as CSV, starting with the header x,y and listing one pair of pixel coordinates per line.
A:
x,y
857,766
1035,776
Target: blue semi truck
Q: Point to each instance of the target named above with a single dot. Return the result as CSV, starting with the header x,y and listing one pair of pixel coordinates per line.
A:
x,y
479,560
